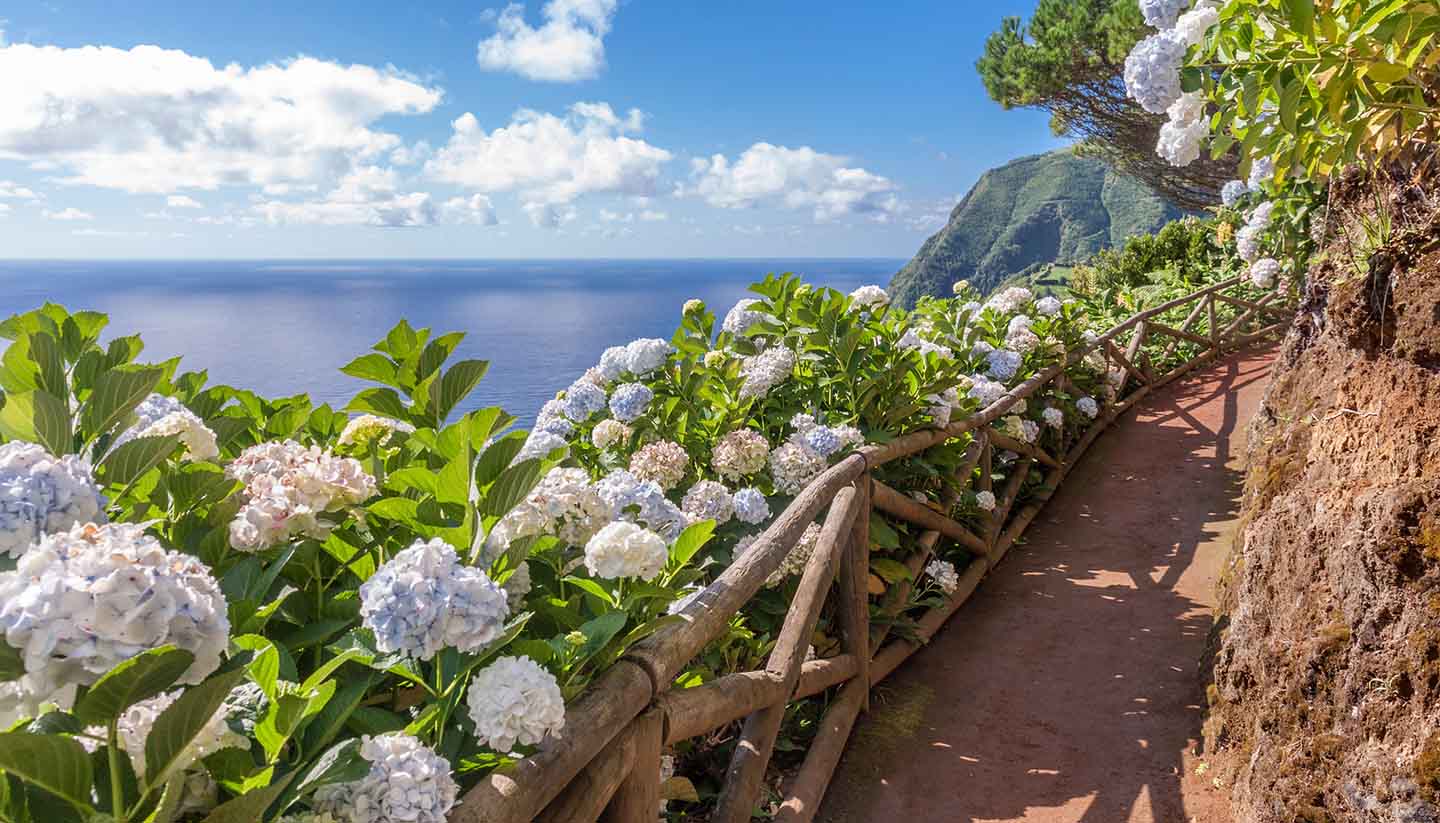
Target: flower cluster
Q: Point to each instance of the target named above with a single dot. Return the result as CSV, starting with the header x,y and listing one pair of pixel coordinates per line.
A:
x,y
709,500
41,494
1264,271
664,462
794,562
630,401
407,782
1247,240
1088,407
765,371
943,573
424,600
515,700
84,600
1162,13
161,416
369,429
638,357
288,489
609,433
1231,193
1152,71
869,298
582,400
623,549
641,501
564,504
1011,300
137,721
741,317
751,506
740,453
985,500
1182,134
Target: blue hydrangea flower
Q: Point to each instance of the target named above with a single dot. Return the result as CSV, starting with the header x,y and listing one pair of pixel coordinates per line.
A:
x,y
751,506
824,440
642,501
424,600
630,401
583,399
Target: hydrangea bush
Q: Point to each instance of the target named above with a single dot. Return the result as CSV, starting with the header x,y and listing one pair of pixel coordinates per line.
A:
x,y
219,604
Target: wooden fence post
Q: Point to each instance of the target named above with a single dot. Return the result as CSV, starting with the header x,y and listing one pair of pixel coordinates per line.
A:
x,y
637,800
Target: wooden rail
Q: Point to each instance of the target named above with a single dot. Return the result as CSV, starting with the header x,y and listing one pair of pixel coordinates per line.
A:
x,y
606,765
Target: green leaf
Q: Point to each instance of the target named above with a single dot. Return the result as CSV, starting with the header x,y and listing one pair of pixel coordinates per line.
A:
x,y
341,763
384,402
497,457
17,416
130,460
458,382
592,587
374,367
331,719
689,542
55,763
177,727
251,806
890,570
117,392
513,485
45,351
12,665
139,678
600,631
1302,17
52,422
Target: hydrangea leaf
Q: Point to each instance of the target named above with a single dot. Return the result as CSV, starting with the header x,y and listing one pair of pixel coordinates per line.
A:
x,y
177,727
53,762
130,460
139,678
250,806
116,394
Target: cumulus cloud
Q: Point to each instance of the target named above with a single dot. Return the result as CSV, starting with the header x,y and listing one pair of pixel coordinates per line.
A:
x,y
161,120
180,201
930,217
14,191
367,196
793,178
474,210
551,160
645,216
68,214
568,46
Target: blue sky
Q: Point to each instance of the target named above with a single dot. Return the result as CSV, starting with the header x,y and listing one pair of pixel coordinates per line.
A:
x,y
559,128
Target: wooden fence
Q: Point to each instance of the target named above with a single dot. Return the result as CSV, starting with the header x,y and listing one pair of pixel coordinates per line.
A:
x,y
606,766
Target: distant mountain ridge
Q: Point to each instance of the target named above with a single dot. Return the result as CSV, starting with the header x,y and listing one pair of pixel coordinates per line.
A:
x,y
1037,210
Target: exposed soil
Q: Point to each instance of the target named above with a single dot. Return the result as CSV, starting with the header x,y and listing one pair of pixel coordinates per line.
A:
x,y
1327,676
1067,689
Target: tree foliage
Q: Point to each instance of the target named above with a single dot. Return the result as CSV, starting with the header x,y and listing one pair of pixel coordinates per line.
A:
x,y
1069,59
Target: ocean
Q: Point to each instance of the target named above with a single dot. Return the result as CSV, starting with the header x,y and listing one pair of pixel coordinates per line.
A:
x,y
284,327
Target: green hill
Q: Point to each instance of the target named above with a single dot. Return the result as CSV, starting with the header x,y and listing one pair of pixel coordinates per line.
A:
x,y
1022,217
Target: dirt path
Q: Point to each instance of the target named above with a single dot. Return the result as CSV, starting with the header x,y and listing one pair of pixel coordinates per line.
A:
x,y
1067,689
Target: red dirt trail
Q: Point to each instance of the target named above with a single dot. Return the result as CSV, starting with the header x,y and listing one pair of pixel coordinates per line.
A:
x,y
1067,689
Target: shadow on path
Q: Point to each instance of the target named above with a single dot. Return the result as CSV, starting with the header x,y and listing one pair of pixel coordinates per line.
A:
x,y
1067,690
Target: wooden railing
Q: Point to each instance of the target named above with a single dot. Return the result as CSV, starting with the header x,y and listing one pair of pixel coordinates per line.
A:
x,y
606,765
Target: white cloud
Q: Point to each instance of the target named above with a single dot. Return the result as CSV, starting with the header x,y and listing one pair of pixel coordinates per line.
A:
x,y
646,216
549,216
180,201
550,160
160,120
569,46
476,210
794,178
368,196
68,214
4,209
651,216
108,233
931,217
14,191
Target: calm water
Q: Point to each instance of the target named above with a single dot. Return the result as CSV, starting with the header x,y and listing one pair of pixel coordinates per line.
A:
x,y
283,327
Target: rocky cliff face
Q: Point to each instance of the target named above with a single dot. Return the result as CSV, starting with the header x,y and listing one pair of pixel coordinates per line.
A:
x,y
1047,208
1325,704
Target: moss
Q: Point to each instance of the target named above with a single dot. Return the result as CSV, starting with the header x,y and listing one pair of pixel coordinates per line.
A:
x,y
1212,695
1430,543
1427,768
873,746
1332,637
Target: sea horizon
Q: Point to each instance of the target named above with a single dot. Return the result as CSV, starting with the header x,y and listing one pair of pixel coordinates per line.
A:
x,y
282,326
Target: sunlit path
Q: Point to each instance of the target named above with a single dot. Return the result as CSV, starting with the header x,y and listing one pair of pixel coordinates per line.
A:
x,y
1066,690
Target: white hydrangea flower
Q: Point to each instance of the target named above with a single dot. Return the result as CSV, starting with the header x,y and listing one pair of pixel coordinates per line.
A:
x,y
1054,418
609,433
370,428
741,317
987,391
1048,306
943,573
794,562
540,444
287,488
1152,71
715,358
564,504
740,453
765,371
1011,300
1264,271
623,549
646,355
82,601
869,298
663,461
912,340
1088,407
793,466
942,405
159,415
517,586
515,700
985,500
613,363
41,494
1022,341
1247,240
424,600
408,783
137,721
693,306
709,500
1193,25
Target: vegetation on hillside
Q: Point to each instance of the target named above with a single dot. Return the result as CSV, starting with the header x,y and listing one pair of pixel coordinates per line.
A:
x,y
1056,208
